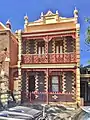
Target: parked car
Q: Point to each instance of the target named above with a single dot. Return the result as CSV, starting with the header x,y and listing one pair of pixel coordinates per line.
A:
x,y
27,110
84,114
17,115
20,113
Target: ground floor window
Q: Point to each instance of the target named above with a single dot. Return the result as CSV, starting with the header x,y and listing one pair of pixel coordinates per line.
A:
x,y
55,83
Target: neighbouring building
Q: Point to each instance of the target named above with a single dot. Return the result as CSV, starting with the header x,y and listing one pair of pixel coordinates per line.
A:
x,y
8,59
49,60
85,84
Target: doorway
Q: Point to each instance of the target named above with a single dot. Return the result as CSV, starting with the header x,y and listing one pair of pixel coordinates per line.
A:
x,y
31,86
31,83
84,90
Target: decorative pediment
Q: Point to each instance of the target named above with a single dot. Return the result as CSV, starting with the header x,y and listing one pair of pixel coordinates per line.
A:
x,y
47,20
49,13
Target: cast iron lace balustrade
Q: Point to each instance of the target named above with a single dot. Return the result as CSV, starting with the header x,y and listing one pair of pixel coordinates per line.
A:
x,y
49,58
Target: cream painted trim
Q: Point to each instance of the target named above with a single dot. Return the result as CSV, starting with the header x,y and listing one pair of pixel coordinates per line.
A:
x,y
64,20
85,75
51,33
48,65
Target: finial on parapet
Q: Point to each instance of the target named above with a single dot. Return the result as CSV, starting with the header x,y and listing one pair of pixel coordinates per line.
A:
x,y
75,13
26,18
41,14
25,21
57,12
57,15
8,24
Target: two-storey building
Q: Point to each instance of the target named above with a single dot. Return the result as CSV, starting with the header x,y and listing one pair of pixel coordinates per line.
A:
x,y
49,59
8,59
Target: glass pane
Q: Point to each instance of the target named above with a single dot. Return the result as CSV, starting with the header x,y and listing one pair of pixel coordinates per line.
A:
x,y
55,79
54,88
39,50
42,50
60,49
57,49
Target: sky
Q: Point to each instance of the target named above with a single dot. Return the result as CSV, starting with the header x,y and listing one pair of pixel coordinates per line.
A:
x,y
15,10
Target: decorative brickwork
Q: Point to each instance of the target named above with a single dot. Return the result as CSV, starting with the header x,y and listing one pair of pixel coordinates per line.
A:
x,y
78,61
74,85
46,80
36,83
64,45
27,46
53,46
63,83
35,48
27,87
19,67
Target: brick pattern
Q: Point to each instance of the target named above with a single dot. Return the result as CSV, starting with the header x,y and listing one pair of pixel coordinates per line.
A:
x,y
78,62
73,86
27,87
27,47
64,45
63,82
36,82
46,47
53,46
46,81
19,67
35,47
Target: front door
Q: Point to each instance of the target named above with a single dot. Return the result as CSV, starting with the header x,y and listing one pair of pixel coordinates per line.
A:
x,y
31,86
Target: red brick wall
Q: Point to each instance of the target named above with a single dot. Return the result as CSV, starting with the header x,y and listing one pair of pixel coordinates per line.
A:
x,y
13,51
4,43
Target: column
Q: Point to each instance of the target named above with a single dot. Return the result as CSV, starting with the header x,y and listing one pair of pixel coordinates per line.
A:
x,y
46,47
36,85
27,87
78,63
36,82
46,39
78,85
53,46
63,82
73,85
35,48
27,46
64,49
19,67
46,84
64,45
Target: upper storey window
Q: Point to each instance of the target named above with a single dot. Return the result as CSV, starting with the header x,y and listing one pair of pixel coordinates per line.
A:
x,y
59,47
41,48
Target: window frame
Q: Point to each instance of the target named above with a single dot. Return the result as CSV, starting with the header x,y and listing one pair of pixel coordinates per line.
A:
x,y
58,84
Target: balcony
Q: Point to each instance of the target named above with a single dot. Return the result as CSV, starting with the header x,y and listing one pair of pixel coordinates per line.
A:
x,y
48,58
